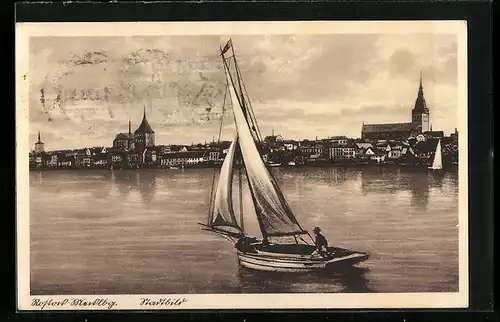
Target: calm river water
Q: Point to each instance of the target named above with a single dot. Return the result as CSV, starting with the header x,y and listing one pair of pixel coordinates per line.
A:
x,y
136,232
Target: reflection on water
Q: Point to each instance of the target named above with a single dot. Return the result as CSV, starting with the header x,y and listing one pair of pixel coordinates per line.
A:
x,y
131,231
346,280
142,181
417,182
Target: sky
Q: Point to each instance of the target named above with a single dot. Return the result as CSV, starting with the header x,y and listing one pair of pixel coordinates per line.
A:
x,y
302,86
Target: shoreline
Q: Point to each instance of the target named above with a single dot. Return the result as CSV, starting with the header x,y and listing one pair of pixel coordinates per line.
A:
x,y
452,167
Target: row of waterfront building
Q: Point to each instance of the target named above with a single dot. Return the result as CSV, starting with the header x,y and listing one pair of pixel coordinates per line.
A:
x,y
416,151
413,143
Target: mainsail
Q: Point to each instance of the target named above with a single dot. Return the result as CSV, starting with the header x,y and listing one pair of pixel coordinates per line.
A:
x,y
222,214
274,214
438,157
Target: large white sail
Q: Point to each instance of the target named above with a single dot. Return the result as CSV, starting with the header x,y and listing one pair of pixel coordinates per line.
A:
x,y
274,214
223,212
437,164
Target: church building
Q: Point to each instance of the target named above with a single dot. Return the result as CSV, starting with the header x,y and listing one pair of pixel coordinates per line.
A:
x,y
144,136
401,131
124,141
141,139
39,146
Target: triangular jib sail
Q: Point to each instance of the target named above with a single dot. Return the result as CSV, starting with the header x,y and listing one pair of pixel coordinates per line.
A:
x,y
222,214
274,214
438,158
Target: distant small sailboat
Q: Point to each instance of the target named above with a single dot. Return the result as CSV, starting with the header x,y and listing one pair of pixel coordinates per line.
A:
x,y
437,163
283,247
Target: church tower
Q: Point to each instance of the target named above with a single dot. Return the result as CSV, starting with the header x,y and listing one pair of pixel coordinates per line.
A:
x,y
39,146
144,135
420,113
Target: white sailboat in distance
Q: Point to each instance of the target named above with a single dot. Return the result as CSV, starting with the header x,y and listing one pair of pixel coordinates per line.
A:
x,y
285,245
437,163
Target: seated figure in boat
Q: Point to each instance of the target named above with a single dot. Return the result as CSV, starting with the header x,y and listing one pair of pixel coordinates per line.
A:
x,y
321,243
245,244
265,242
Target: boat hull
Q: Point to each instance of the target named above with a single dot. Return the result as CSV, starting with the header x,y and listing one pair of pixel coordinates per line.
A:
x,y
275,262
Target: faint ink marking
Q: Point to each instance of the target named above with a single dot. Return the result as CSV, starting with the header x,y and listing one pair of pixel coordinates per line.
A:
x,y
89,58
162,302
73,302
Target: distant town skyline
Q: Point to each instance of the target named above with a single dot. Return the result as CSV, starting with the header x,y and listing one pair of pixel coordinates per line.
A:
x,y
301,86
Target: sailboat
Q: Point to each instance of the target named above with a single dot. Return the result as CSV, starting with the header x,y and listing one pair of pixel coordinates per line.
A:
x,y
285,246
437,163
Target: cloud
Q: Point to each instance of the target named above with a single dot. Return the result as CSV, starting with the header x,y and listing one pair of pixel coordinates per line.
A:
x,y
402,63
298,84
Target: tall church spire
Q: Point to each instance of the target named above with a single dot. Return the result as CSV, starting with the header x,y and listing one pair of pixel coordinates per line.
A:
x,y
420,104
129,127
39,139
39,146
144,127
420,113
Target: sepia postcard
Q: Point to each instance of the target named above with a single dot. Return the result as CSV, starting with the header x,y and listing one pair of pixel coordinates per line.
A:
x,y
241,165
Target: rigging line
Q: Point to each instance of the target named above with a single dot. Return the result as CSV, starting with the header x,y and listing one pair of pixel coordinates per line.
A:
x,y
250,113
230,78
240,157
239,78
240,182
254,121
210,214
259,219
259,135
247,113
274,181
304,239
273,178
254,202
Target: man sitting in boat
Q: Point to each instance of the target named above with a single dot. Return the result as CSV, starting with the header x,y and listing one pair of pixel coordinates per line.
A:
x,y
245,244
321,243
265,242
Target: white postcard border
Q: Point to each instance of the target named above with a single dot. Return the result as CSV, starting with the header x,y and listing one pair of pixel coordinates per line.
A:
x,y
229,301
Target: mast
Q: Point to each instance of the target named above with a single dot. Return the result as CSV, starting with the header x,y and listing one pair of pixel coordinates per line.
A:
x,y
259,219
212,196
240,183
273,213
254,126
238,78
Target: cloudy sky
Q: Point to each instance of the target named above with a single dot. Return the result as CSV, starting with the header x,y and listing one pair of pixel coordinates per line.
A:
x,y
301,86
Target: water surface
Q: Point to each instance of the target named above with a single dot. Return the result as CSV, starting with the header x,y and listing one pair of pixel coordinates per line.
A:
x,y
137,232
